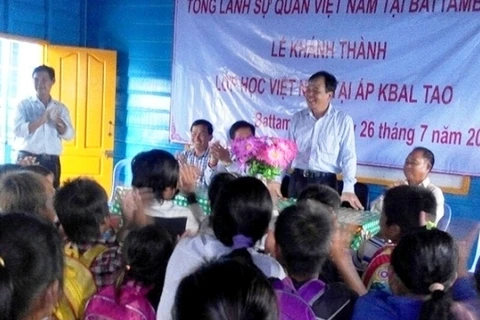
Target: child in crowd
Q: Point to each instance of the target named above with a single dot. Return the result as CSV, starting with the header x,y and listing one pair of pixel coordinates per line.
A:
x,y
82,208
158,172
303,234
329,197
405,208
31,267
423,268
240,217
29,192
230,287
139,285
216,184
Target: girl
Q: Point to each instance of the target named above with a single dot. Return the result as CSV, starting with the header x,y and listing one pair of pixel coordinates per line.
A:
x,y
231,287
240,217
158,172
139,285
423,269
31,267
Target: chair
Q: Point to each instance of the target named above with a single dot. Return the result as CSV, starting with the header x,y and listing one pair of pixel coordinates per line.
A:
x,y
445,220
122,175
360,189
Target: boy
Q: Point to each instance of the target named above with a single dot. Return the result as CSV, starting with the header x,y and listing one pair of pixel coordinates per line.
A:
x,y
405,208
303,234
82,208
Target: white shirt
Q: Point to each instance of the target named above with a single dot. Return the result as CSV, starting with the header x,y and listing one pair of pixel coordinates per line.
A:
x,y
377,204
46,139
191,253
169,209
326,144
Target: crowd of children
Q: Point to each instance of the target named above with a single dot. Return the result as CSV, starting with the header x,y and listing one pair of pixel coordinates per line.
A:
x,y
62,257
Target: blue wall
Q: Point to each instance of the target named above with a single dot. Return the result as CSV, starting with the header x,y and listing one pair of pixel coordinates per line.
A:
x,y
57,21
141,31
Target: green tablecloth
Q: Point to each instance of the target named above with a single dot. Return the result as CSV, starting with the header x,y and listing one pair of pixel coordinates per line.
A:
x,y
364,224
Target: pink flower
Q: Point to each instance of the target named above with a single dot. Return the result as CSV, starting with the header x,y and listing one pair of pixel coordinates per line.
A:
x,y
265,155
246,149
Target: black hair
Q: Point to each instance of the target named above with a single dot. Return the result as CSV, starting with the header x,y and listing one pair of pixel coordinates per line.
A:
x,y
217,183
427,154
240,125
330,80
243,206
82,206
41,170
9,167
402,206
22,191
423,258
323,194
155,169
203,122
146,253
47,69
303,232
231,287
31,252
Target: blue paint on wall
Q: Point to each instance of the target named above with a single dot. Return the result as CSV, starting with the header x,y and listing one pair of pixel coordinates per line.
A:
x,y
56,21
142,34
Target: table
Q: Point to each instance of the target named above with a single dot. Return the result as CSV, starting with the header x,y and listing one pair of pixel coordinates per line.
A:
x,y
363,224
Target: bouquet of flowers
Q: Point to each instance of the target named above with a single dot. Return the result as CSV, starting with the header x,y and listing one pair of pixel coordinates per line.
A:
x,y
264,156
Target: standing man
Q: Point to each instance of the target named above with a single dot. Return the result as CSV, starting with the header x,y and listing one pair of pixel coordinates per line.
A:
x,y
42,123
326,142
199,153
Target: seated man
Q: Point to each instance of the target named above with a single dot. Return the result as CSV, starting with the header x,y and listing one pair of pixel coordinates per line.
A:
x,y
418,165
222,160
198,154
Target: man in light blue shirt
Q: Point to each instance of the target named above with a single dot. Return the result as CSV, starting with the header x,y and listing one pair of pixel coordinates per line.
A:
x,y
326,142
41,123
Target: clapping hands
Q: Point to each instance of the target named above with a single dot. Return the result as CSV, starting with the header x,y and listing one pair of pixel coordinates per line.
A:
x,y
188,178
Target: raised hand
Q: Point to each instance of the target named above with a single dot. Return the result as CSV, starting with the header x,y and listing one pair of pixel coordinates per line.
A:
x,y
188,178
220,153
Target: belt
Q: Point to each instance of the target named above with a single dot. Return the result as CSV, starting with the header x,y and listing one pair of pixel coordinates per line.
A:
x,y
314,174
38,156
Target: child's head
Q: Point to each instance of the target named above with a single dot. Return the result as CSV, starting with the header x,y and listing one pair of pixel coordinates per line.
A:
x,y
158,170
303,233
23,191
82,208
406,208
218,181
227,288
31,267
146,253
242,207
323,194
41,170
424,264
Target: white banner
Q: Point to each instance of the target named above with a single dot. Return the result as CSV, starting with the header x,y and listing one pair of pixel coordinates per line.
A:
x,y
407,70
